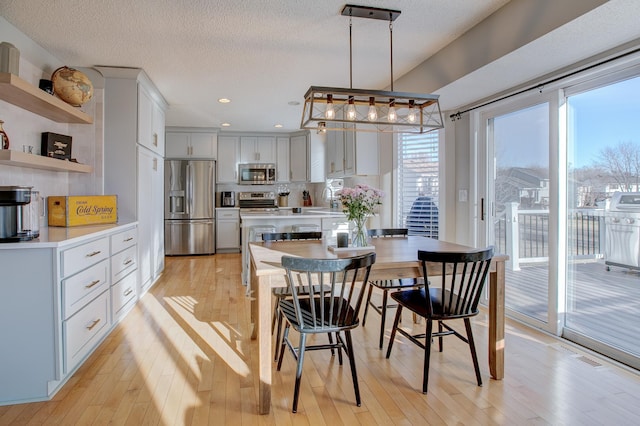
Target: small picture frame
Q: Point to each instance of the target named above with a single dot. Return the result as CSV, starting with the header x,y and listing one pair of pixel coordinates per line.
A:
x,y
55,145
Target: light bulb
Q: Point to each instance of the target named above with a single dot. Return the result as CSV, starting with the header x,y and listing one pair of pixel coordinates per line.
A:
x,y
392,116
373,112
351,109
411,117
329,113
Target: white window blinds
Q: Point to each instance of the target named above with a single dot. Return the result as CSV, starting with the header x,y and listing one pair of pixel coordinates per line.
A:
x,y
418,183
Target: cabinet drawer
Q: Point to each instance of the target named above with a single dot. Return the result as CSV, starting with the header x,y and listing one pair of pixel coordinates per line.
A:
x,y
228,214
81,257
85,329
122,263
79,289
123,292
124,239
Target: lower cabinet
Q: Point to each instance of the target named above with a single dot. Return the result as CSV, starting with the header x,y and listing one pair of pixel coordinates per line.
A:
x,y
227,230
62,299
124,272
84,330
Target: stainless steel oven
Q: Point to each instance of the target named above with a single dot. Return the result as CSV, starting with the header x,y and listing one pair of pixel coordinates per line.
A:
x,y
256,174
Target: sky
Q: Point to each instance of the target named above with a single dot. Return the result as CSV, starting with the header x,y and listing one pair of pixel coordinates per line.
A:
x,y
598,118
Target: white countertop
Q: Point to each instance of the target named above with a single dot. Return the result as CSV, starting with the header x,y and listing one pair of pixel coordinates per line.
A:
x,y
53,236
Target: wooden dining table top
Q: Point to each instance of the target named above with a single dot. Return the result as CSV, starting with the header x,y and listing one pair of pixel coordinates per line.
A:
x,y
391,252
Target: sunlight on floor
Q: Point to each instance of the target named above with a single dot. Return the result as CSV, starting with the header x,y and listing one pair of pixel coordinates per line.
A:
x,y
189,346
218,337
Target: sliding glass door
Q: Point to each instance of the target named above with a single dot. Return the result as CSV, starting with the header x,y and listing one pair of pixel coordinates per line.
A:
x,y
517,140
603,278
555,165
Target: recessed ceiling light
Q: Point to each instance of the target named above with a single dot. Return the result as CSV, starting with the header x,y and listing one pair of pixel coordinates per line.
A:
x,y
278,126
225,124
224,100
294,103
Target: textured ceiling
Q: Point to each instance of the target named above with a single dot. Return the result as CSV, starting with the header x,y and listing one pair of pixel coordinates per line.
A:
x,y
260,54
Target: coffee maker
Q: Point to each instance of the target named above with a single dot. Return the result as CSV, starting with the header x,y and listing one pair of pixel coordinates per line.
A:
x,y
228,199
19,214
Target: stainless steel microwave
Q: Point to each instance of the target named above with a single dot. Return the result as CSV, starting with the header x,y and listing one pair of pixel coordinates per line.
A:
x,y
256,174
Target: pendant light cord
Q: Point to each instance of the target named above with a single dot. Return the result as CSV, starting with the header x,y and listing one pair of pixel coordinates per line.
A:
x,y
391,49
350,54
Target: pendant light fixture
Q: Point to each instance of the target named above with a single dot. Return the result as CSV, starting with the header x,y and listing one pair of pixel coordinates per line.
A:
x,y
334,108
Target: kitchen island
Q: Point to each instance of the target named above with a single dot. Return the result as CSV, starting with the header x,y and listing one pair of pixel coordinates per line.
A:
x,y
329,221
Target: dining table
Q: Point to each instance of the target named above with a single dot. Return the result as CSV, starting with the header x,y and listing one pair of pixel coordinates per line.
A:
x,y
395,258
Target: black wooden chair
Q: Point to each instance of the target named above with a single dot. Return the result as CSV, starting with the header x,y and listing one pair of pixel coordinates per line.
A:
x,y
387,285
332,310
456,296
281,292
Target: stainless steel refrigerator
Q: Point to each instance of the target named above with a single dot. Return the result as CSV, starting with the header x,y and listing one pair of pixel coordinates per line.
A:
x,y
189,207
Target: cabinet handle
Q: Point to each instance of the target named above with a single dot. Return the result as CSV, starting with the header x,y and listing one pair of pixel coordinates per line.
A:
x,y
94,253
128,261
93,324
128,239
128,291
91,284
155,139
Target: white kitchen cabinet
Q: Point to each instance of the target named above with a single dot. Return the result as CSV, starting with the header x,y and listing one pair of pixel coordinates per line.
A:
x,y
317,157
134,171
227,230
258,149
228,155
351,153
151,208
299,170
124,265
157,125
335,153
150,121
54,294
283,163
185,144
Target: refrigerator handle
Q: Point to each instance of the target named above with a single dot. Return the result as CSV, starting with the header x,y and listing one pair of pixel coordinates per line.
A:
x,y
189,188
212,188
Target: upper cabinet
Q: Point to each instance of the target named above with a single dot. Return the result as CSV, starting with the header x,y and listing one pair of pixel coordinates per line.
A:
x,y
191,143
291,153
299,156
227,165
351,153
283,164
317,156
258,149
150,122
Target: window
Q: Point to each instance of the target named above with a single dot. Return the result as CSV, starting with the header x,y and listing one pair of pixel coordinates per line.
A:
x,y
418,185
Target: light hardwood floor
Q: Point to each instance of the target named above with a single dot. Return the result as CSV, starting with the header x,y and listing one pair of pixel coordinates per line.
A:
x,y
183,356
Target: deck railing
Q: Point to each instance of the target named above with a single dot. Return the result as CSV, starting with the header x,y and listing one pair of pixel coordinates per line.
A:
x,y
524,235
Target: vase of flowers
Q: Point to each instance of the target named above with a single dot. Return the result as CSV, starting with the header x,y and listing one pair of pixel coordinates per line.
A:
x,y
358,203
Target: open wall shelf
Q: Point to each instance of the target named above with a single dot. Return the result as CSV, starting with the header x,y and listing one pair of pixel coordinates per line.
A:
x,y
21,159
19,92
